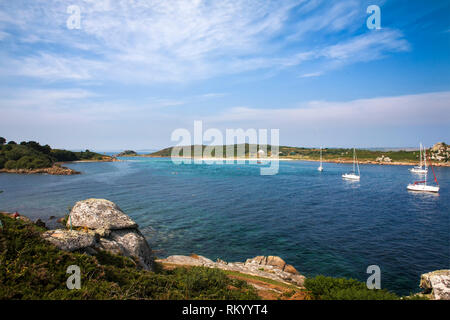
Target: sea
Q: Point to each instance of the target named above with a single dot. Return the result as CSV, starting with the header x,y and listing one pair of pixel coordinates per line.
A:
x,y
316,221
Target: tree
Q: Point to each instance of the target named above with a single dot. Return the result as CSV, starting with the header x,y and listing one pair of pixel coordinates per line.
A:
x,y
2,141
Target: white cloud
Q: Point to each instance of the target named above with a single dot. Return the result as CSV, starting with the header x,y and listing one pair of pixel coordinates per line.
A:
x,y
178,41
409,110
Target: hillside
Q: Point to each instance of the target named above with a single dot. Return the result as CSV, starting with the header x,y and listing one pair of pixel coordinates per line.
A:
x,y
439,153
31,157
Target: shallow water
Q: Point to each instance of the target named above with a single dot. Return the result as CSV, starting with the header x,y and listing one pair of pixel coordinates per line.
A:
x,y
314,220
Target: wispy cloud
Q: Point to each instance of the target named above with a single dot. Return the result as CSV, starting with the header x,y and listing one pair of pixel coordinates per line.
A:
x,y
374,112
179,41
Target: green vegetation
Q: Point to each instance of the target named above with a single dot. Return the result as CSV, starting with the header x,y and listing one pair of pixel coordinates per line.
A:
x,y
31,268
327,288
32,155
331,154
127,153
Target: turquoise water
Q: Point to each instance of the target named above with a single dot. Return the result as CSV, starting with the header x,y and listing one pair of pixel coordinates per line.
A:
x,y
315,221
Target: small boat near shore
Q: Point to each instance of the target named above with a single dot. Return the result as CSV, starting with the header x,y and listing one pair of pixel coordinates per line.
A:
x,y
421,186
320,168
352,175
422,167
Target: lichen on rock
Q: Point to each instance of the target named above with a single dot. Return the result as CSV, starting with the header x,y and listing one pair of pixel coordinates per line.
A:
x,y
436,283
99,214
105,227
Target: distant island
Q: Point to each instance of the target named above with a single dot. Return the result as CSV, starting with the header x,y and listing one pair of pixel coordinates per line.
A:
x,y
439,154
31,157
127,153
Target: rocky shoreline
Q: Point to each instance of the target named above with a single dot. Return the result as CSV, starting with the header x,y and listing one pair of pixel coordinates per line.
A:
x,y
54,170
270,267
341,161
57,169
96,225
392,163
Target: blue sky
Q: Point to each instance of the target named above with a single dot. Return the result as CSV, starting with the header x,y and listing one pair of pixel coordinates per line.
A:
x,y
137,70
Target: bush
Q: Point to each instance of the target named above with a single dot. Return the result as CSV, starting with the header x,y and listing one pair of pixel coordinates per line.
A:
x,y
31,268
10,165
63,155
327,288
2,162
41,163
25,163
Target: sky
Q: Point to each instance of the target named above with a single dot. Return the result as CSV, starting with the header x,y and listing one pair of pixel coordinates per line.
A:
x,y
135,71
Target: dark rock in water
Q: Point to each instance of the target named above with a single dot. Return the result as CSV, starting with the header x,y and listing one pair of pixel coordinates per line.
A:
x,y
51,218
40,223
99,213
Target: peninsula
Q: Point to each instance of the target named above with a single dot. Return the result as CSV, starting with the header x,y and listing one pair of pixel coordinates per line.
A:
x,y
30,157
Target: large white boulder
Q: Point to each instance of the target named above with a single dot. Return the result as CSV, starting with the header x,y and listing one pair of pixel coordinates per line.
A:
x,y
437,283
99,214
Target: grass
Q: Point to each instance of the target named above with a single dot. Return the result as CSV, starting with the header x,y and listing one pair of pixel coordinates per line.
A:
x,y
328,288
266,280
31,268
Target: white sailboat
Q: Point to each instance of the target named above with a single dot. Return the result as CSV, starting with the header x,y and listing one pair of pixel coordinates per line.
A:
x,y
320,168
422,186
422,167
353,175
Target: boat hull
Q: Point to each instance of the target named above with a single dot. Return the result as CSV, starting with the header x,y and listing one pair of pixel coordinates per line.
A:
x,y
422,188
419,170
351,176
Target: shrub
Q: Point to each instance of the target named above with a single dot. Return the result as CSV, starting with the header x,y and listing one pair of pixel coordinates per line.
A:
x,y
41,163
10,164
327,288
31,268
2,162
63,155
25,163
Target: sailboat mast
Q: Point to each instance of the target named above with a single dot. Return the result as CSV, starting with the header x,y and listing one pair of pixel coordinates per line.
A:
x,y
357,164
420,158
425,156
354,155
320,156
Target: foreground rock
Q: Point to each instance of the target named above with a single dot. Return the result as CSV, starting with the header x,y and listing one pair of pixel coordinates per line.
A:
x,y
103,227
437,284
271,267
70,240
99,214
